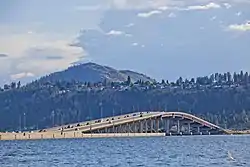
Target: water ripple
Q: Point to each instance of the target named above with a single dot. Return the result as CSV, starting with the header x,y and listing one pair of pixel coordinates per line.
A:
x,y
202,151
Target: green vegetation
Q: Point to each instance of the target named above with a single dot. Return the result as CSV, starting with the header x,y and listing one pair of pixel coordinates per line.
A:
x,y
223,99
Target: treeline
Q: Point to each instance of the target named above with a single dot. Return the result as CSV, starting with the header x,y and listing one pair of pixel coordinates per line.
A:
x,y
39,105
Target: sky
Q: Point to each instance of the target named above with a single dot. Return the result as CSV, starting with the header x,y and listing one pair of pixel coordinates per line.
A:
x,y
164,39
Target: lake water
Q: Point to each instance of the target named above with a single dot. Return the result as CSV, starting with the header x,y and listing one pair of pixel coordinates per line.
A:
x,y
193,151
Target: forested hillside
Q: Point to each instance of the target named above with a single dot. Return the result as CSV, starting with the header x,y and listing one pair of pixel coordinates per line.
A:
x,y
223,99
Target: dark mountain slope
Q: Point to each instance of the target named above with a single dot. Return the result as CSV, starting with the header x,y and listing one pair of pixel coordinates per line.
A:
x,y
91,72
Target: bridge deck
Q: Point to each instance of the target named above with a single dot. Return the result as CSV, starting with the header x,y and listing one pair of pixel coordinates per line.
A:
x,y
109,122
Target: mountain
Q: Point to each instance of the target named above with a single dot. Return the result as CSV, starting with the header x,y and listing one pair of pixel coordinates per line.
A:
x,y
92,72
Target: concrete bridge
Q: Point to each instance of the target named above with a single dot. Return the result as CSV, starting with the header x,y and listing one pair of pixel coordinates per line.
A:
x,y
170,123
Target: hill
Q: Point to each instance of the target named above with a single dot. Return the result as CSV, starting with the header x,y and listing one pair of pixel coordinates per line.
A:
x,y
92,72
222,99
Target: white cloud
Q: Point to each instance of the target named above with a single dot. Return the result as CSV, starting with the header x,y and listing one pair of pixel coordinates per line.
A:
x,y
135,44
130,25
128,35
204,7
32,51
171,15
115,33
227,5
163,8
145,15
238,14
240,27
213,18
21,75
158,4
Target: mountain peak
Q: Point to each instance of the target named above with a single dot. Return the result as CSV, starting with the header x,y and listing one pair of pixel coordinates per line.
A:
x,y
93,72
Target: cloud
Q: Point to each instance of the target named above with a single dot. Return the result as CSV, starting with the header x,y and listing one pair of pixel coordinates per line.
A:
x,y
3,55
118,33
130,25
204,7
227,5
115,33
240,27
213,18
21,75
149,4
145,15
35,53
238,14
171,15
163,8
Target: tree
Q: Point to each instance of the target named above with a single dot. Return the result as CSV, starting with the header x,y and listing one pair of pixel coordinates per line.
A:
x,y
18,85
241,76
6,87
105,82
128,81
246,78
229,77
13,85
192,81
212,78
163,82
179,81
235,78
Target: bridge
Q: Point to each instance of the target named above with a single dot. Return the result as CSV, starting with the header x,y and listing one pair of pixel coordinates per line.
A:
x,y
133,124
170,123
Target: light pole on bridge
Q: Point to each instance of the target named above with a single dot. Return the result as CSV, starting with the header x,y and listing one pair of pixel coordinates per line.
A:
x,y
24,120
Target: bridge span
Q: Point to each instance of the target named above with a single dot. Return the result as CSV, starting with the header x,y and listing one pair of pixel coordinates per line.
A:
x,y
170,123
138,124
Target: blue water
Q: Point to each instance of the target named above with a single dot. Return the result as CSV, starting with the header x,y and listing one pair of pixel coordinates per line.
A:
x,y
193,151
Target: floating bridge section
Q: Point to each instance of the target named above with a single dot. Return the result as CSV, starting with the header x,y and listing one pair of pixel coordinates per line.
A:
x,y
170,123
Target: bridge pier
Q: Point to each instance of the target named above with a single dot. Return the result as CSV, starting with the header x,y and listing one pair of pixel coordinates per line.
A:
x,y
178,126
157,125
189,127
151,125
167,125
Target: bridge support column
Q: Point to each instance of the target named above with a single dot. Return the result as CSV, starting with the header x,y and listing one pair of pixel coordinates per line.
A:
x,y
167,125
198,129
127,128
189,128
120,129
113,128
151,125
146,126
134,127
178,126
141,126
157,125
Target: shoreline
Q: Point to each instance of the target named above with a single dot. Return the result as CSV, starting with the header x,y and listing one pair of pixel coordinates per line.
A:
x,y
70,135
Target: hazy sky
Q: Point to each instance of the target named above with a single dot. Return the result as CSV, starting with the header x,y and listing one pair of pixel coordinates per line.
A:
x,y
162,38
